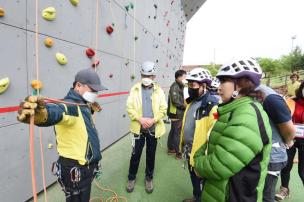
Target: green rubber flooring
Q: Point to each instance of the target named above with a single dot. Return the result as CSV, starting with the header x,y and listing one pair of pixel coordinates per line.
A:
x,y
171,182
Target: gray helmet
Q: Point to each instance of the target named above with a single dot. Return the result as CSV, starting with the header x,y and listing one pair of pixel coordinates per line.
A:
x,y
90,77
148,68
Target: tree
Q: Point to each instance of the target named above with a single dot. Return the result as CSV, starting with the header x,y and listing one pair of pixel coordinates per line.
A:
x,y
294,61
270,66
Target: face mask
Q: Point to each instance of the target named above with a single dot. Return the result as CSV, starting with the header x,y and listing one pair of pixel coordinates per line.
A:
x,y
146,81
184,81
89,96
193,92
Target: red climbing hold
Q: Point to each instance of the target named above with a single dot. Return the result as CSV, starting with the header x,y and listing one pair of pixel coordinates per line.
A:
x,y
96,63
90,52
109,29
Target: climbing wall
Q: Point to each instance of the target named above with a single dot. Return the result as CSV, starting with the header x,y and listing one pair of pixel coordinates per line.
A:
x,y
122,33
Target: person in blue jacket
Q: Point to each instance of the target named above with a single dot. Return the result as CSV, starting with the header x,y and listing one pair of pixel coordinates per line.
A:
x,y
77,139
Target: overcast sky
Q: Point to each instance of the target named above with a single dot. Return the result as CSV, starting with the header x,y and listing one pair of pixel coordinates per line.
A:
x,y
238,28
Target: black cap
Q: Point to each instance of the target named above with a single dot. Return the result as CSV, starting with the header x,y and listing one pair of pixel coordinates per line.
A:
x,y
90,77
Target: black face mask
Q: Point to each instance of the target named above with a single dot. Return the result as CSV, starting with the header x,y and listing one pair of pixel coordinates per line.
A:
x,y
193,93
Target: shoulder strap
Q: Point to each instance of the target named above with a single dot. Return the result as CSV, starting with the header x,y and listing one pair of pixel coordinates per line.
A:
x,y
262,128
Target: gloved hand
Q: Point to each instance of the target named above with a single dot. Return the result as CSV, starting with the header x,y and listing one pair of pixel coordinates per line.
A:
x,y
95,107
32,105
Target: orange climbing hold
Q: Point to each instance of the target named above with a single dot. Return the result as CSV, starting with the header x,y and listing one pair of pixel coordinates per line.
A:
x,y
36,84
48,42
2,12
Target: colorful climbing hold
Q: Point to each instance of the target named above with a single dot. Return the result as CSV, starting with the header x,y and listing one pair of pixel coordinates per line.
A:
x,y
61,59
109,29
2,12
90,52
111,75
132,77
135,38
4,83
131,5
49,13
95,63
74,2
48,42
36,84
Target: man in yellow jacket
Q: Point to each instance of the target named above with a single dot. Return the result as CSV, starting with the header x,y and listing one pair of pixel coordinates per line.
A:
x,y
199,117
146,106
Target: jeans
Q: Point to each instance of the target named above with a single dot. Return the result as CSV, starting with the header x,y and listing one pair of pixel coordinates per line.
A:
x,y
136,154
271,181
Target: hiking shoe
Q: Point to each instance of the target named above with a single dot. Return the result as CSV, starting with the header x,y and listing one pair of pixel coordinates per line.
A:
x,y
149,185
171,152
130,186
193,199
282,194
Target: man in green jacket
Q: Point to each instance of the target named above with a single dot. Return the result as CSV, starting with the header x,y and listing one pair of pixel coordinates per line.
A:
x,y
176,109
146,106
235,164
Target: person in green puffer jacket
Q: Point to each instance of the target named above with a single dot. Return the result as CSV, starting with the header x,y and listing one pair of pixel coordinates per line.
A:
x,y
235,159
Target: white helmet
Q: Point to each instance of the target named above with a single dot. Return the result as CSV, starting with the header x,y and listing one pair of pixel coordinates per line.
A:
x,y
215,82
242,68
200,75
148,68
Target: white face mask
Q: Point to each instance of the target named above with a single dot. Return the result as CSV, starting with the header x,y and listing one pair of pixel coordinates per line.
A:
x,y
146,81
184,81
89,96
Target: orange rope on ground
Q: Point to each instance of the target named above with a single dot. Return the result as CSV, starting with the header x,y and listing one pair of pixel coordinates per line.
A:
x,y
32,158
113,198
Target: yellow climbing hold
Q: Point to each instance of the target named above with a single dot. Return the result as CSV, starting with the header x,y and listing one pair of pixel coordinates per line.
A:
x,y
4,83
74,2
2,12
49,13
48,42
36,84
50,146
61,59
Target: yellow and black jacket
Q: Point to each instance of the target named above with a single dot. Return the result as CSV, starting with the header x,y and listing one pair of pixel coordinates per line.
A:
x,y
176,106
76,135
204,121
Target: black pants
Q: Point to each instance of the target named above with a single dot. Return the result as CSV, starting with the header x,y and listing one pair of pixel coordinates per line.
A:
x,y
174,136
197,183
136,154
70,170
271,181
285,175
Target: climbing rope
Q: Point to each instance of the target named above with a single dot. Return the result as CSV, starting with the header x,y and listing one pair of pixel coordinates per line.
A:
x,y
114,198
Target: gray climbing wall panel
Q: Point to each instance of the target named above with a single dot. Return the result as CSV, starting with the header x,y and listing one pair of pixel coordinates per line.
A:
x,y
151,30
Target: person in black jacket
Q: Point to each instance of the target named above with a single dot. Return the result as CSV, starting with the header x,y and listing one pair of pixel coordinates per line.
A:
x,y
176,108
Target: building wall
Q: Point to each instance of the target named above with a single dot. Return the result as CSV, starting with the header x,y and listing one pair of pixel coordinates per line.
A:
x,y
159,27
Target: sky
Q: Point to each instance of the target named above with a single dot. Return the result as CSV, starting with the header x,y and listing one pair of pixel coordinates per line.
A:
x,y
225,29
